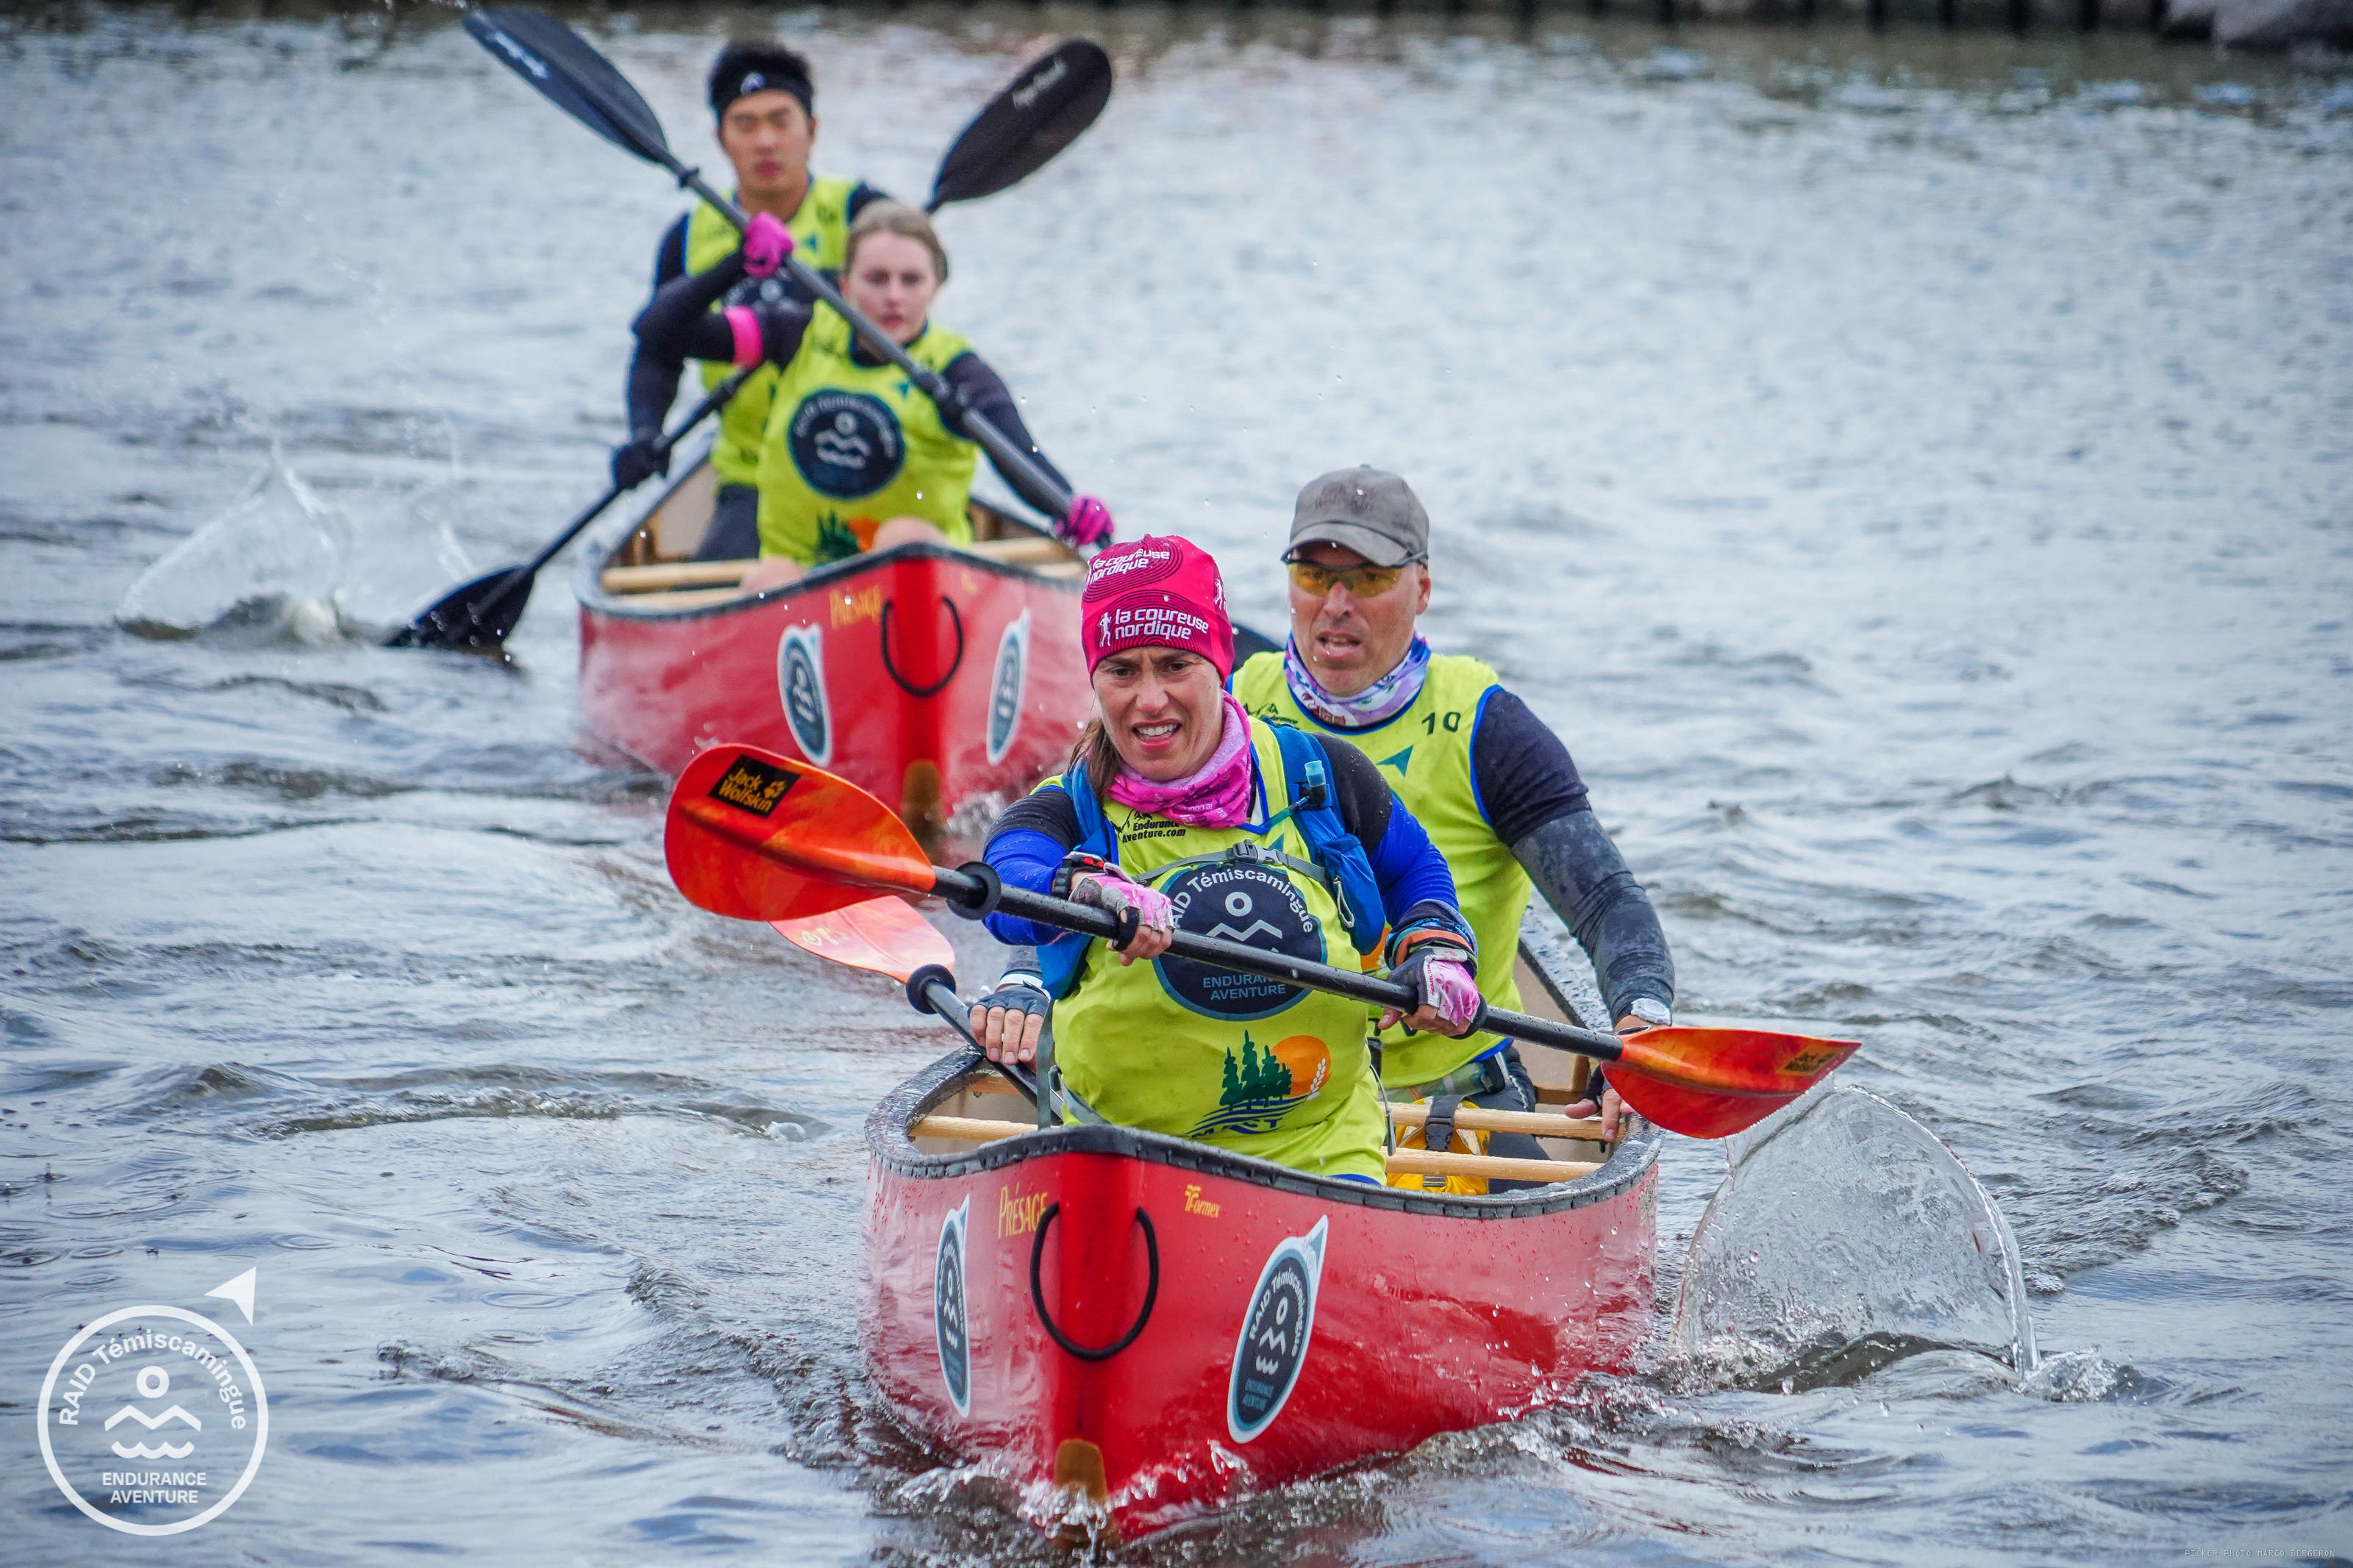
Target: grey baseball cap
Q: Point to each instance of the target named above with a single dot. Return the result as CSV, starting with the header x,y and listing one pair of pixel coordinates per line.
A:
x,y
1364,509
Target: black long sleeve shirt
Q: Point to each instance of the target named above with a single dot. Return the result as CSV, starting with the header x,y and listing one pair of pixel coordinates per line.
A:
x,y
652,384
679,324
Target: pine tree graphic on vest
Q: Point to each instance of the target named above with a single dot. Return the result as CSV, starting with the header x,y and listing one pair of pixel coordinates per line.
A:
x,y
1259,1090
836,539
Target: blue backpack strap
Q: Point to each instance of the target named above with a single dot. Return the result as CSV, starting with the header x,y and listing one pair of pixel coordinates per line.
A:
x,y
1332,845
1059,959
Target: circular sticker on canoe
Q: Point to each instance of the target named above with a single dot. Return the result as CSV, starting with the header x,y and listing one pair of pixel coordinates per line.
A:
x,y
950,1327
1006,686
1275,1332
800,683
1238,901
846,444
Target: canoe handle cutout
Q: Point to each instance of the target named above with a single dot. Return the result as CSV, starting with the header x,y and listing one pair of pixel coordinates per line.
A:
x,y
955,664
1038,1293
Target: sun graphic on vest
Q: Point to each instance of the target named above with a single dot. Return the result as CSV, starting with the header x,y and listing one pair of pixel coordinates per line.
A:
x,y
1265,1084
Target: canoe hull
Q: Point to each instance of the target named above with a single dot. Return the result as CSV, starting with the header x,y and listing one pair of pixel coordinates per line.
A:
x,y
928,677
1377,1317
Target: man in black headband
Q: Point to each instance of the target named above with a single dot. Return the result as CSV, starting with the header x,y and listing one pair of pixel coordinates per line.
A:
x,y
765,102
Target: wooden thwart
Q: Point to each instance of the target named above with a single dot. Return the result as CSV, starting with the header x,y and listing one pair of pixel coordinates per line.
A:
x,y
1421,1163
1477,1119
673,574
1022,550
1404,1163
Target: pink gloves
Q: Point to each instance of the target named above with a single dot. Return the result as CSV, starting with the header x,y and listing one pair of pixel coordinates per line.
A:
x,y
1439,975
766,243
1088,525
1114,894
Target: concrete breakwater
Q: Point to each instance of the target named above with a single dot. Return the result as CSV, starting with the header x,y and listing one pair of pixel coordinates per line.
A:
x,y
2236,23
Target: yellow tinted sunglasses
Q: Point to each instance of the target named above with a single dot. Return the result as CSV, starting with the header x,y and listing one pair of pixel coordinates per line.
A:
x,y
1364,582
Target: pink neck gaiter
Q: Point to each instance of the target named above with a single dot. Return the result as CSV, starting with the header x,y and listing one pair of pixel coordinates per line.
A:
x,y
1216,795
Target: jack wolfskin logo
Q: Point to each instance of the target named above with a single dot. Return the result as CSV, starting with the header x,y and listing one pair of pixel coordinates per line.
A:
x,y
754,786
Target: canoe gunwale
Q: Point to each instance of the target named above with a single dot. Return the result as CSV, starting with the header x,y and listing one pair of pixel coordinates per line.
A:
x,y
594,600
890,1146
588,573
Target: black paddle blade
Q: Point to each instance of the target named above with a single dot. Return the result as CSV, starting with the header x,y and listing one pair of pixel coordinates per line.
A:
x,y
1041,112
567,69
475,618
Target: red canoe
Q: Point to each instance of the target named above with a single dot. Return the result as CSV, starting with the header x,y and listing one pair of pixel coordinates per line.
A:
x,y
1135,1329
933,679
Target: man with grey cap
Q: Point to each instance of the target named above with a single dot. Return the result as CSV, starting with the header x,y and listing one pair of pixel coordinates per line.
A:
x,y
1494,788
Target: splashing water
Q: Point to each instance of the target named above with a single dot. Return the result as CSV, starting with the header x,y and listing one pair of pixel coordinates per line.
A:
x,y
271,567
1845,1237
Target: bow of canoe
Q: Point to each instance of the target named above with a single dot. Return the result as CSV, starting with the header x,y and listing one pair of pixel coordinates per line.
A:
x,y
1135,1329
931,677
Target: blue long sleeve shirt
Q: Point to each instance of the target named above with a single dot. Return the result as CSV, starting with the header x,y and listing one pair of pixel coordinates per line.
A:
x,y
1037,831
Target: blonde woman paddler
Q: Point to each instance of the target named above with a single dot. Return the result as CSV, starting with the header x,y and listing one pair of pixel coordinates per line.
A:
x,y
855,456
1182,808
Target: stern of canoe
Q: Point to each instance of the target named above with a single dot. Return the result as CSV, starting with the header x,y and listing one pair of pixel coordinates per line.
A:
x,y
1276,1326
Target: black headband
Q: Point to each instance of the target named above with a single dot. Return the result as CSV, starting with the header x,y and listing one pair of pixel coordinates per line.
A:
x,y
754,77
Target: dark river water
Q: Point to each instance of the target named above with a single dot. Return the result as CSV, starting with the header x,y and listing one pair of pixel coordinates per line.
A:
x,y
1915,473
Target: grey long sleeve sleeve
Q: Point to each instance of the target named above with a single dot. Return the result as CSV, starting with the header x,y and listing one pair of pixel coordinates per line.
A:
x,y
1583,878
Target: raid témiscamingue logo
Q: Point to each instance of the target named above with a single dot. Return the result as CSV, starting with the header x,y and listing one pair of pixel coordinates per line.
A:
x,y
800,685
153,1419
846,444
951,1325
1006,686
1254,905
1275,1332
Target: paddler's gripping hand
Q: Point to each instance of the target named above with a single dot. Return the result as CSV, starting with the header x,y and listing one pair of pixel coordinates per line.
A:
x,y
1088,525
1609,1108
766,243
1607,1104
637,459
1438,972
1009,1020
1101,885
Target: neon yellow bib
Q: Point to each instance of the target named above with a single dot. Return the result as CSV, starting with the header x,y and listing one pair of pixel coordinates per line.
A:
x,y
820,229
1424,753
851,446
1245,1064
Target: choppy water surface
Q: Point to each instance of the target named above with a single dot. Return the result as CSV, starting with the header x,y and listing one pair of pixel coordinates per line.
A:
x,y
1911,472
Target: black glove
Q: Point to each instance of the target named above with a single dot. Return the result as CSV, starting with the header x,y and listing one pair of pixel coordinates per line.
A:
x,y
1023,999
1018,993
638,460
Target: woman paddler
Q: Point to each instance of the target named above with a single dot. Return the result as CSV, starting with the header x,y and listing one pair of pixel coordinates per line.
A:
x,y
1182,809
855,456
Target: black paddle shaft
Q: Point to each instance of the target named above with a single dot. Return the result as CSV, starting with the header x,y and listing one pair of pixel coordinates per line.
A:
x,y
975,890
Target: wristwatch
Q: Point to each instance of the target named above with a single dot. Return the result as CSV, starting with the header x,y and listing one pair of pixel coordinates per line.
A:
x,y
1654,1014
